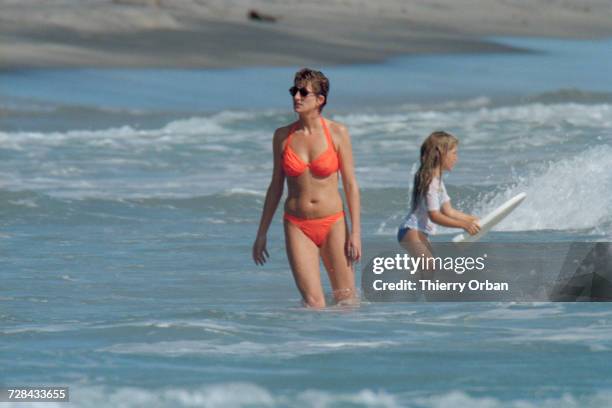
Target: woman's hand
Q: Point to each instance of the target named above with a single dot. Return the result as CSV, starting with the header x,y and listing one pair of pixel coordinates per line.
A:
x,y
260,253
353,247
472,227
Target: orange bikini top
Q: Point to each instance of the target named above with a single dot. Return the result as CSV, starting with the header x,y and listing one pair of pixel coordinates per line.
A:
x,y
324,165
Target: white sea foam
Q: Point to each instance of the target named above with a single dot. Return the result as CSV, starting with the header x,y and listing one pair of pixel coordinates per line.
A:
x,y
290,349
206,325
474,124
243,191
505,128
222,395
472,103
216,128
246,394
500,312
570,194
509,311
51,328
462,399
29,203
194,125
596,337
212,154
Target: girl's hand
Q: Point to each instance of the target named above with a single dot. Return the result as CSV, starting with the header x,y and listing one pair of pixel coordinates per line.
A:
x,y
472,227
474,219
353,247
260,253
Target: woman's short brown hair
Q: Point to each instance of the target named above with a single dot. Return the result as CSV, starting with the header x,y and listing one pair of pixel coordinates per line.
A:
x,y
318,81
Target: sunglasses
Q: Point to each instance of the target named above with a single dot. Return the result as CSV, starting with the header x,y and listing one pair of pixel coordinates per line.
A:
x,y
303,91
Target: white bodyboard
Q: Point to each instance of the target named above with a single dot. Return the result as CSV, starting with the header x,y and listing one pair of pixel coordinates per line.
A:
x,y
492,219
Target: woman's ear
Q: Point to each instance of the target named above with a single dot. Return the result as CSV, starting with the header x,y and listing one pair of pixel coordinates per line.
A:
x,y
321,99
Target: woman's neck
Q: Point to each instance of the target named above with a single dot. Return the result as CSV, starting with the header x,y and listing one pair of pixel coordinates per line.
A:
x,y
310,121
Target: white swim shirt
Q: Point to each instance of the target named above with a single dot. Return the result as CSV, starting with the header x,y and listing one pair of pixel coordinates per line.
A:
x,y
432,201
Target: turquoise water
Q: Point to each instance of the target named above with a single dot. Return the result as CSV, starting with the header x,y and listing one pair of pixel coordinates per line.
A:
x,y
549,66
127,214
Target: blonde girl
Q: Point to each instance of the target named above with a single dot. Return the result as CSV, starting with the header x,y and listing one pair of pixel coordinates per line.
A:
x,y
430,203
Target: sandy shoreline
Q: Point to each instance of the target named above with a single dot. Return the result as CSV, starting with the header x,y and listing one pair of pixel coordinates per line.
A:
x,y
218,34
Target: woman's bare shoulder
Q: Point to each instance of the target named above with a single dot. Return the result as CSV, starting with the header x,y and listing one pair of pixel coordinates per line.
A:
x,y
281,133
338,130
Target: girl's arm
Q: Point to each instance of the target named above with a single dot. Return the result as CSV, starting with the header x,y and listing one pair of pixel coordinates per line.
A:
x,y
447,209
441,212
471,226
273,196
351,190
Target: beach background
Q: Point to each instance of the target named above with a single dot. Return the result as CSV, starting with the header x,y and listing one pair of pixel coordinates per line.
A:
x,y
135,147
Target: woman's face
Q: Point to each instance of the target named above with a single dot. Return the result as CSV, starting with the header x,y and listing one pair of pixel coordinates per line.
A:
x,y
308,102
450,159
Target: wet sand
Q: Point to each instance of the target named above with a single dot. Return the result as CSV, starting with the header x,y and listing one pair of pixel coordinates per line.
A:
x,y
218,34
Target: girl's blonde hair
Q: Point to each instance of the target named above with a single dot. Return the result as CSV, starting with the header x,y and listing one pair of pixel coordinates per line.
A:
x,y
433,150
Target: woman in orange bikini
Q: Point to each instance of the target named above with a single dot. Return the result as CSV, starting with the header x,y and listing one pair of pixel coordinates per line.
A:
x,y
309,153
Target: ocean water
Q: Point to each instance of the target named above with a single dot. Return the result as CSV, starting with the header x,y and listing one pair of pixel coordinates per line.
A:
x,y
129,200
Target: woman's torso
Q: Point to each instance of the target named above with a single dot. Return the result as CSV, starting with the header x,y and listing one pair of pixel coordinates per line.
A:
x,y
311,164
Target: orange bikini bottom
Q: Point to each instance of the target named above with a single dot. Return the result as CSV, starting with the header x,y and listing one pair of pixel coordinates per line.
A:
x,y
316,229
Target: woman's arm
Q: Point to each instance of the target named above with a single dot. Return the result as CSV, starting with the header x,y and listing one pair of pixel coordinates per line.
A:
x,y
351,190
273,196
